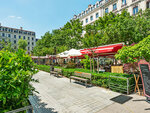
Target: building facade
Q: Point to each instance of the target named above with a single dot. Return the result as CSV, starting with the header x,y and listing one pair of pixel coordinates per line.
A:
x,y
93,12
14,34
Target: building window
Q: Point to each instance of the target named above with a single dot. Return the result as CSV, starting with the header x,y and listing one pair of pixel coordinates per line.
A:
x,y
87,20
123,2
29,33
32,38
97,15
11,30
9,35
5,29
28,43
14,41
114,6
14,36
20,32
106,10
84,13
28,38
28,48
93,6
19,37
25,32
3,34
82,22
135,10
148,4
32,43
91,18
97,5
24,37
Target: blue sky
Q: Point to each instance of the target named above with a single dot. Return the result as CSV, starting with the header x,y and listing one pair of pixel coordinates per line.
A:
x,y
40,15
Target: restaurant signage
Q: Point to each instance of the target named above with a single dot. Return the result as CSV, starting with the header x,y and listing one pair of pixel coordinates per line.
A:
x,y
145,76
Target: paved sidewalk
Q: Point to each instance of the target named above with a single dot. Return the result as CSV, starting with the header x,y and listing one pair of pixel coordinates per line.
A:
x,y
58,95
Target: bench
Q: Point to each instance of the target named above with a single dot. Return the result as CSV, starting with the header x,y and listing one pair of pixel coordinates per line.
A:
x,y
56,72
80,76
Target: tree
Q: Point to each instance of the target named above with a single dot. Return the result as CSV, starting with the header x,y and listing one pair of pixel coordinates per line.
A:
x,y
131,54
22,44
91,41
6,45
16,75
116,28
67,37
86,62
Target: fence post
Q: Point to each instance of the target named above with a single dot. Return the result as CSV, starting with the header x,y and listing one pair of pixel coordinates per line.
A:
x,y
109,81
127,86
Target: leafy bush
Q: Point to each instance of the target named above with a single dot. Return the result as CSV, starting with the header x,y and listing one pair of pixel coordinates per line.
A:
x,y
140,50
43,67
102,79
86,62
16,71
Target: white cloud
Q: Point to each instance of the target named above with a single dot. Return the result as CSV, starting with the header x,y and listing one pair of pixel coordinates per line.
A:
x,y
11,16
15,17
13,21
19,17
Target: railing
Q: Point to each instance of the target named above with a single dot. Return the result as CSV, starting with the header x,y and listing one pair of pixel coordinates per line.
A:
x,y
128,88
134,0
28,109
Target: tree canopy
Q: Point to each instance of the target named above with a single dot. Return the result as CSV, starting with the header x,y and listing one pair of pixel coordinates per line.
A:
x,y
22,44
67,37
115,28
131,54
109,29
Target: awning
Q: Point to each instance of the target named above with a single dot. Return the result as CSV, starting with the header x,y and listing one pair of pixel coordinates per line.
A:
x,y
111,49
103,50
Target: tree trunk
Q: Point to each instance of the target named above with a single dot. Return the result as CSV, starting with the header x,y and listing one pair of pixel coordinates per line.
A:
x,y
98,64
90,65
93,62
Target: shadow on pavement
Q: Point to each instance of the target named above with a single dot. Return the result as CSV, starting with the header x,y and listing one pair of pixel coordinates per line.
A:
x,y
38,106
139,100
147,109
81,83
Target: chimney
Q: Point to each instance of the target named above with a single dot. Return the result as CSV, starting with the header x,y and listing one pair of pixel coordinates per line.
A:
x,y
21,28
75,16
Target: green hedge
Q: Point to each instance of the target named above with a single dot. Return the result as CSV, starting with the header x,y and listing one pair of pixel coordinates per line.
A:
x,y
99,79
16,71
43,67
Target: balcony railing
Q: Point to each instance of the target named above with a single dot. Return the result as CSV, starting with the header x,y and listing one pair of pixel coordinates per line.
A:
x,y
123,5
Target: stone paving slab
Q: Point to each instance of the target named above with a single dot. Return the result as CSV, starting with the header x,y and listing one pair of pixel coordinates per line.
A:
x,y
58,95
